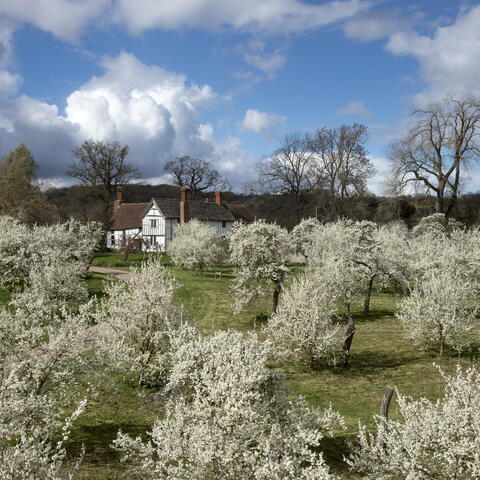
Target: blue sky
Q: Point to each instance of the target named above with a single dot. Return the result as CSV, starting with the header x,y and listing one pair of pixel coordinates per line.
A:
x,y
223,79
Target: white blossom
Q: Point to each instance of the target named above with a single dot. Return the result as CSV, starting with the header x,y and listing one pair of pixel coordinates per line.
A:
x,y
306,322
301,235
196,246
441,311
139,324
428,440
229,419
350,256
46,263
260,252
40,362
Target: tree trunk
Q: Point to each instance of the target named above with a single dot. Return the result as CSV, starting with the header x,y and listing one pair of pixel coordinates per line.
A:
x,y
385,405
440,202
366,305
276,295
350,332
442,346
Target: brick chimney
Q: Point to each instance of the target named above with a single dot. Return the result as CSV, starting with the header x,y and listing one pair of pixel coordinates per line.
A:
x,y
118,197
218,198
184,207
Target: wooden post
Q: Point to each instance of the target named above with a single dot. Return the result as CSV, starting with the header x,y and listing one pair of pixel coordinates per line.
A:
x,y
348,339
384,406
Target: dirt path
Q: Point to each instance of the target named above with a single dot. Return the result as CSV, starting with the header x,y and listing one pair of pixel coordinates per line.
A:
x,y
120,274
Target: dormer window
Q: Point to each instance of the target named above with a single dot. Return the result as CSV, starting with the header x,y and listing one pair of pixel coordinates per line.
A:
x,y
153,224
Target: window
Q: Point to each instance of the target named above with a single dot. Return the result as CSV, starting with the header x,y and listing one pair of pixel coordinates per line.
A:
x,y
112,240
153,240
153,224
224,224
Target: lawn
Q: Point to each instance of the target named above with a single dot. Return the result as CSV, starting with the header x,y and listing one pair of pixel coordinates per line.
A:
x,y
380,357
116,260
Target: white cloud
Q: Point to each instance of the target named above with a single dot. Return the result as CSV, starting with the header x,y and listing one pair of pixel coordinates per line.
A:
x,y
68,18
63,18
153,110
264,123
270,16
267,60
354,108
376,184
368,26
449,59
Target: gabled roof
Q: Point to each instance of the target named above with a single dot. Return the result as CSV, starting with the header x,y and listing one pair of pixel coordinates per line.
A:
x,y
127,215
170,207
130,215
241,212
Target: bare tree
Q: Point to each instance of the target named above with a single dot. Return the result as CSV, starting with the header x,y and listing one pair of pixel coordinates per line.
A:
x,y
437,149
342,156
291,169
197,174
102,163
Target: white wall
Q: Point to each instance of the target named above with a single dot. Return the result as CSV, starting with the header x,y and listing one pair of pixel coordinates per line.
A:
x,y
114,237
219,228
154,237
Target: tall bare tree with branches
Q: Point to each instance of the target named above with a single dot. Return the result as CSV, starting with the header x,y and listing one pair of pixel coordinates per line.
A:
x,y
437,149
291,168
102,163
197,174
342,159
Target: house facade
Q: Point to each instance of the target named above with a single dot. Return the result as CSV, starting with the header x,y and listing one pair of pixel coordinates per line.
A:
x,y
153,224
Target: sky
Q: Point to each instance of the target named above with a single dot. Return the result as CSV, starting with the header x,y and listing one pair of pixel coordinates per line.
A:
x,y
224,80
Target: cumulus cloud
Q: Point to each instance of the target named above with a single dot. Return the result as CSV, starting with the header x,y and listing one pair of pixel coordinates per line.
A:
x,y
354,108
266,124
270,16
449,58
153,110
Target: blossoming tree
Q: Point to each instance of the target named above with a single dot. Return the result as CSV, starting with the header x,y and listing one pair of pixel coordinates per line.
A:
x,y
229,419
260,251
306,323
428,439
196,246
139,325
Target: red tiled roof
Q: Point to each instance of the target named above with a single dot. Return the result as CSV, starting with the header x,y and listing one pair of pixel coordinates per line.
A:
x,y
127,215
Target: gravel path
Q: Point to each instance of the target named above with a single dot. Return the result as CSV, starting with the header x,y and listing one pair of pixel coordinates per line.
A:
x,y
120,274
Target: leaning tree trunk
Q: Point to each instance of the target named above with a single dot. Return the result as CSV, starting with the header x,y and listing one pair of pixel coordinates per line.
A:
x,y
348,339
276,295
387,397
366,305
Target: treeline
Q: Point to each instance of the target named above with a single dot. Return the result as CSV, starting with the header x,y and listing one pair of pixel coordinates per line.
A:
x,y
84,203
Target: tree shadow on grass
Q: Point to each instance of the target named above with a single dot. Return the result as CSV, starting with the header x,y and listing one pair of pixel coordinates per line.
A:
x,y
97,440
374,363
376,314
334,450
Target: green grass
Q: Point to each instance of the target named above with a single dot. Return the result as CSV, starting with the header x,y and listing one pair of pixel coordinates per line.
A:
x,y
4,296
118,405
115,260
94,283
380,357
